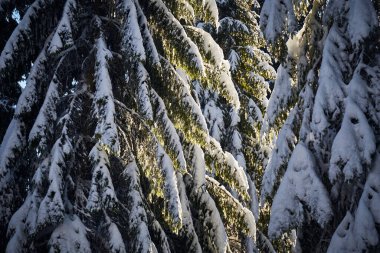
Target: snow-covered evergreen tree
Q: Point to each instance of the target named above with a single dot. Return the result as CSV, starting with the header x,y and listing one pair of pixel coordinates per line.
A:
x,y
324,100
144,126
239,37
111,147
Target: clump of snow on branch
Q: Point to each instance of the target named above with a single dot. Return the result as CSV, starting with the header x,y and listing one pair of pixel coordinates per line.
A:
x,y
106,129
63,37
70,236
357,231
102,193
300,186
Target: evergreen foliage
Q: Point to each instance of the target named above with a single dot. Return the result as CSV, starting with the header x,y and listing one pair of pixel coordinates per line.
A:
x,y
117,142
322,102
162,126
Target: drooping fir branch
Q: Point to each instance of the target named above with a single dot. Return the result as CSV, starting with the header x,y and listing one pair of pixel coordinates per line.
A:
x,y
23,43
224,165
187,114
217,68
132,39
178,47
63,36
357,231
300,188
45,205
102,193
149,45
214,239
169,134
106,130
157,167
188,231
233,211
138,221
277,21
70,236
15,139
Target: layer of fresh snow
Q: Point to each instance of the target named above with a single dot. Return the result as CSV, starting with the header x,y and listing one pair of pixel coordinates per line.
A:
x,y
300,186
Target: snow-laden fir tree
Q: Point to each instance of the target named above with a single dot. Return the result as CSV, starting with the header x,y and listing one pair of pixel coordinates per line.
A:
x,y
8,97
239,36
241,39
108,148
324,113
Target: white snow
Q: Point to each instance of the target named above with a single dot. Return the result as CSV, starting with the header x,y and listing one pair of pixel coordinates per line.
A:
x,y
47,115
211,7
293,44
55,44
151,50
254,205
285,142
132,39
358,89
353,145
22,29
35,198
342,238
170,185
255,114
13,140
16,228
234,60
163,240
198,166
213,115
102,193
145,107
358,233
264,59
307,95
334,10
300,186
280,96
115,239
169,129
277,17
330,90
104,104
371,193
70,236
362,20
137,214
218,237
235,139
51,208
63,34
230,25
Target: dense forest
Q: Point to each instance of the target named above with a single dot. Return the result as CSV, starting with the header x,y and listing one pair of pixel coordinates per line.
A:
x,y
189,126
